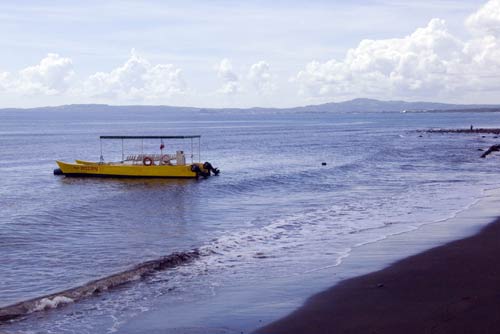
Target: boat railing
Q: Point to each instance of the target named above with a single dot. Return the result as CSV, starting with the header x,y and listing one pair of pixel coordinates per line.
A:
x,y
154,157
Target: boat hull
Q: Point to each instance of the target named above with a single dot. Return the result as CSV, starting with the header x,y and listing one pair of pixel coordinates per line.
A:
x,y
131,171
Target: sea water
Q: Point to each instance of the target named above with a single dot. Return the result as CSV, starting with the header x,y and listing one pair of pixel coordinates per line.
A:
x,y
275,217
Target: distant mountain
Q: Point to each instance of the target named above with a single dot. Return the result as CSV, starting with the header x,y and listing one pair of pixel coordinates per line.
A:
x,y
371,105
105,107
356,105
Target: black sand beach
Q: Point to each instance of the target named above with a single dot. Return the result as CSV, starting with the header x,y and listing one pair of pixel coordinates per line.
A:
x,y
453,288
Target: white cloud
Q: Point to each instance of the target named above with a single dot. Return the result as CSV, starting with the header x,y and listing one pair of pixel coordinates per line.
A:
x,y
52,76
486,19
429,63
418,64
261,77
230,80
136,79
4,81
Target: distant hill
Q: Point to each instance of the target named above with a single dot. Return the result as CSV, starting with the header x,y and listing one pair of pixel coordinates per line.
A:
x,y
104,108
371,105
356,105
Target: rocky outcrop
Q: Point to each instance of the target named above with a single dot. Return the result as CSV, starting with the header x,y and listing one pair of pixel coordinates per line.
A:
x,y
494,131
494,148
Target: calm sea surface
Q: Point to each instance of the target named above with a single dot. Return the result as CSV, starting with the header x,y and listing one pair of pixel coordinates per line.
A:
x,y
273,212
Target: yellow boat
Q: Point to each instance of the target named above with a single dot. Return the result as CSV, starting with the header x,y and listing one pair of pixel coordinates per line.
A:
x,y
142,165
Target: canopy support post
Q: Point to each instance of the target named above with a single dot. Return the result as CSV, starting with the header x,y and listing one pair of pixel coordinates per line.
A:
x,y
101,158
192,151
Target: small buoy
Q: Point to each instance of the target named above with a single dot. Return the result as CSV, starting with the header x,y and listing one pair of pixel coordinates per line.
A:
x,y
323,164
58,171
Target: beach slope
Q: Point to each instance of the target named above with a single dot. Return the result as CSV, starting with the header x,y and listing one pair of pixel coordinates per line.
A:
x,y
454,288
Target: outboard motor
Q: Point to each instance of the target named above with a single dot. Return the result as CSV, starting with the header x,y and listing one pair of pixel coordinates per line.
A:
x,y
208,166
199,172
206,171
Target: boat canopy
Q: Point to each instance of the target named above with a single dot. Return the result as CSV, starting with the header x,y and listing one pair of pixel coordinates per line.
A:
x,y
122,138
150,137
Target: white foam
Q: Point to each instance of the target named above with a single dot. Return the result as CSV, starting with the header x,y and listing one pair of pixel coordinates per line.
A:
x,y
315,236
47,303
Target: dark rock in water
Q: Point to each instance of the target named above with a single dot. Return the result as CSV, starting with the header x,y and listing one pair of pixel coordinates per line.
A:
x,y
494,148
480,149
58,171
260,255
323,164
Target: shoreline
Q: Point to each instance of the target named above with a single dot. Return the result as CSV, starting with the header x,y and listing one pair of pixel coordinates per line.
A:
x,y
452,288
245,308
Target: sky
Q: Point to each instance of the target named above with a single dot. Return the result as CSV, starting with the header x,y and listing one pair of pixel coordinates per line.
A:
x,y
221,53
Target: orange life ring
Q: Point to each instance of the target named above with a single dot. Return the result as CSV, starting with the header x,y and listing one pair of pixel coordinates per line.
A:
x,y
165,159
147,161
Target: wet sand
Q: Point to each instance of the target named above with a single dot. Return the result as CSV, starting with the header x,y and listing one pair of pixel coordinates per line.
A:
x,y
454,288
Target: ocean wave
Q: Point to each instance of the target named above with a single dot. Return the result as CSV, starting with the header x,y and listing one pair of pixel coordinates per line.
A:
x,y
75,294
